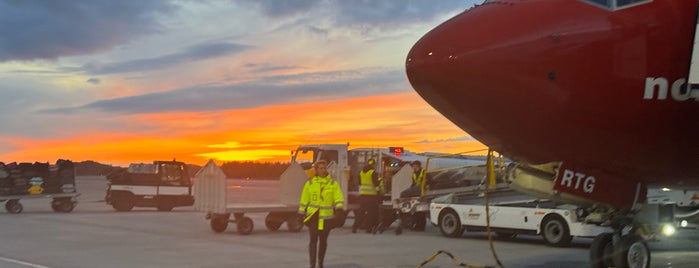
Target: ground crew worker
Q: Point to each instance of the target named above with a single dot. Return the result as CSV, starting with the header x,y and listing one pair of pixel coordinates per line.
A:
x,y
320,199
369,199
414,190
418,173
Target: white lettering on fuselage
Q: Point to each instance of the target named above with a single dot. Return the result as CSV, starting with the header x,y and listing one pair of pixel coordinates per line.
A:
x,y
572,179
678,91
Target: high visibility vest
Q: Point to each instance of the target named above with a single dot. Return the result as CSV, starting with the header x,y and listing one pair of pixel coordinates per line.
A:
x,y
321,195
419,177
366,181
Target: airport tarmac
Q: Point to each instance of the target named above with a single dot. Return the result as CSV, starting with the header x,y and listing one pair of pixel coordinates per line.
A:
x,y
96,236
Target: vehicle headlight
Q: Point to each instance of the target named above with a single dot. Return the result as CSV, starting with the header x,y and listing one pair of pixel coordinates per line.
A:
x,y
668,230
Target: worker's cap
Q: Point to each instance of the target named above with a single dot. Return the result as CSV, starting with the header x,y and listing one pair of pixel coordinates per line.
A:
x,y
416,163
371,161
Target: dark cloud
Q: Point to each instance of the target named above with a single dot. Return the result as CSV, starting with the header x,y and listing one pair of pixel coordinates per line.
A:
x,y
94,81
195,53
31,30
264,68
275,90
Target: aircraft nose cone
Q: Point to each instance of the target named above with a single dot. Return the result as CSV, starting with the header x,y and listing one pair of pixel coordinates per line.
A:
x,y
445,67
475,76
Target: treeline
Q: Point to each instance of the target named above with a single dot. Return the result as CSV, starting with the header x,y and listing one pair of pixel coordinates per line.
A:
x,y
254,170
92,168
235,169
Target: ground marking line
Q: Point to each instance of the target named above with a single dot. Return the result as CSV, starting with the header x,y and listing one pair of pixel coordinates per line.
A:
x,y
23,263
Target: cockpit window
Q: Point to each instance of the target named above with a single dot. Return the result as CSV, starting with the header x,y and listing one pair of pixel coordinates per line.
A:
x,y
613,5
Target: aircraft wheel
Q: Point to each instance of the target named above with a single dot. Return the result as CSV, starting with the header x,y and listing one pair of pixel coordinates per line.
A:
x,y
449,224
13,206
294,223
244,225
555,231
219,224
631,251
272,223
601,251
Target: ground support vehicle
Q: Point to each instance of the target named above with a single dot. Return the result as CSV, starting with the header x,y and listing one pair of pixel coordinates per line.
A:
x,y
163,185
444,175
211,197
511,213
684,202
38,180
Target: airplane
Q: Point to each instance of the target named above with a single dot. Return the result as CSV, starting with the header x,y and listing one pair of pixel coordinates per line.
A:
x,y
594,98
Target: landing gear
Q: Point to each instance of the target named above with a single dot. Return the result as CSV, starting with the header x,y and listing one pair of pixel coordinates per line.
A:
x,y
622,249
631,251
628,251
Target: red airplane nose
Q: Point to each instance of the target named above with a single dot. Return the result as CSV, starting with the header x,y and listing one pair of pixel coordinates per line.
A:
x,y
473,69
544,81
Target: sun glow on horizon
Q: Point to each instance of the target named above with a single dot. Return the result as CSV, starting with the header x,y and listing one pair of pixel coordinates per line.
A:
x,y
266,134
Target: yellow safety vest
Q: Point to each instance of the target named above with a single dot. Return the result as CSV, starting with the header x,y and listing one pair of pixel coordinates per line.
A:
x,y
367,183
322,195
417,178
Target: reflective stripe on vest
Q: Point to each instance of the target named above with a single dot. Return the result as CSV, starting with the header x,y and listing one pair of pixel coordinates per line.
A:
x,y
367,185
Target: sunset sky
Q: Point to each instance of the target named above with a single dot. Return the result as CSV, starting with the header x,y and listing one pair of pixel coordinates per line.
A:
x,y
136,81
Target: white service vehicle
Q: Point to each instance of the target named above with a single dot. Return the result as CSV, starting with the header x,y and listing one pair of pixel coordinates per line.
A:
x,y
511,214
163,185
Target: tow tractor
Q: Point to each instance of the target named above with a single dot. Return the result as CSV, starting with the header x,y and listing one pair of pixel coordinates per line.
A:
x,y
162,184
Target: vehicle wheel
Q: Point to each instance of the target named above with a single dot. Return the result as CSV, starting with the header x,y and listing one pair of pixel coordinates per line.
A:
x,y
165,204
631,251
219,224
64,205
450,225
122,201
244,225
13,206
272,222
294,224
601,251
555,231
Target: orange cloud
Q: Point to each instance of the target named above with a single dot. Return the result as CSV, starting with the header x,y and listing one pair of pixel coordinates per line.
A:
x,y
266,133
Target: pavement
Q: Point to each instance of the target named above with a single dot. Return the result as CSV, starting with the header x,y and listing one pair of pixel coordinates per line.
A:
x,y
94,235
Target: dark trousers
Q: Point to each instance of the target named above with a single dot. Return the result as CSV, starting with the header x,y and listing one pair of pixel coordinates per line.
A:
x,y
316,245
368,214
